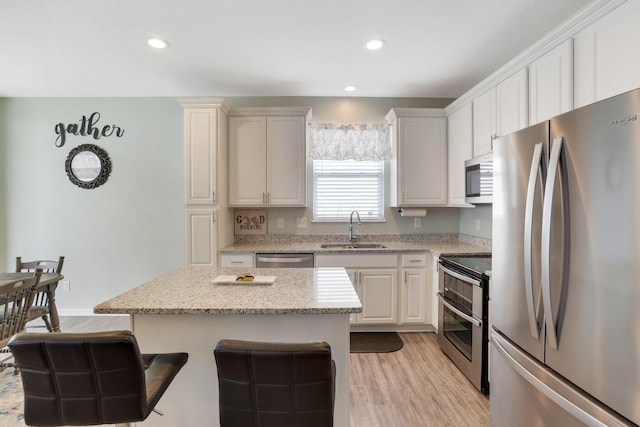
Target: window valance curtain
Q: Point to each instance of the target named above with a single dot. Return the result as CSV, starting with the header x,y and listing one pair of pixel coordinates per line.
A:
x,y
349,142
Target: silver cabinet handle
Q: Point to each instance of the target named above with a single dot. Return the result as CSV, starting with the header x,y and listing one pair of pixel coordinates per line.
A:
x,y
460,276
470,319
538,170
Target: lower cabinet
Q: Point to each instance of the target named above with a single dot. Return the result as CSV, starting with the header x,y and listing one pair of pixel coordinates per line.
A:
x,y
377,289
395,290
201,237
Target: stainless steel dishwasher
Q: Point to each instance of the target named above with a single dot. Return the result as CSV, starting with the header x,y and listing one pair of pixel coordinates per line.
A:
x,y
284,260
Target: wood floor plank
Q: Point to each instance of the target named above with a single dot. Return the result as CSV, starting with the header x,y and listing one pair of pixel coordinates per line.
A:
x,y
416,386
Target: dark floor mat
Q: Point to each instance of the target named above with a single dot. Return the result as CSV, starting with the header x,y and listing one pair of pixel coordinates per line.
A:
x,y
375,342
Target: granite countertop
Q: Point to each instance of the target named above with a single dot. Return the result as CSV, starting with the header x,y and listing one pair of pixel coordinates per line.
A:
x,y
438,244
191,291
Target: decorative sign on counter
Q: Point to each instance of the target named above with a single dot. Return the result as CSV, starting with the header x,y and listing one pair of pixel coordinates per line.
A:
x,y
251,222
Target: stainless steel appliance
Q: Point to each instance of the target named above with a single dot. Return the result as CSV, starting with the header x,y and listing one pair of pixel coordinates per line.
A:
x,y
284,260
462,315
566,270
479,179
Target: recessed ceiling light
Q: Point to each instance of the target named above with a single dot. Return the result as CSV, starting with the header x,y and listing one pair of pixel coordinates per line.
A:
x,y
375,44
157,43
350,88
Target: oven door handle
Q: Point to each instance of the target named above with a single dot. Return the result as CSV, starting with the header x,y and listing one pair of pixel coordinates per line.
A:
x,y
471,319
460,276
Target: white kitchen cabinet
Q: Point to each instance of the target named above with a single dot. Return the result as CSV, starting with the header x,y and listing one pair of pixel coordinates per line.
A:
x,y
267,156
414,291
512,103
606,62
375,278
434,274
418,170
205,142
237,260
377,289
460,149
201,242
484,122
551,83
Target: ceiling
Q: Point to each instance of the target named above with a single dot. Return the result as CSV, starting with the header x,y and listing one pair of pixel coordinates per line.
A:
x,y
434,48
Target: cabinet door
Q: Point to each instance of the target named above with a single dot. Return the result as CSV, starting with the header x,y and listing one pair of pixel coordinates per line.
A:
x,y
512,98
460,149
201,239
551,83
484,122
605,55
413,295
247,161
422,153
200,126
378,290
286,161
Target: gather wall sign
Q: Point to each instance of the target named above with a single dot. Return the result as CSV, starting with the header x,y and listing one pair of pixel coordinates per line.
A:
x,y
87,165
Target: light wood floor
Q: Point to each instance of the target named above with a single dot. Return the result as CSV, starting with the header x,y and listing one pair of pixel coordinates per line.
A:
x,y
417,386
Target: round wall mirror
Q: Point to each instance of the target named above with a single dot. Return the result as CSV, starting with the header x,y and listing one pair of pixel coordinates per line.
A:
x,y
88,166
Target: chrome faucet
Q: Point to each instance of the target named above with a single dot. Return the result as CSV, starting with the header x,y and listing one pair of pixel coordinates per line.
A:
x,y
351,235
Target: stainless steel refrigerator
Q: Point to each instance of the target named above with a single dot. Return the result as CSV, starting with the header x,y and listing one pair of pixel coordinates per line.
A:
x,y
565,286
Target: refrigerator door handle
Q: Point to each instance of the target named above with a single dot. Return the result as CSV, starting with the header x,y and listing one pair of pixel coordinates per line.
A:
x,y
556,166
562,394
538,169
470,319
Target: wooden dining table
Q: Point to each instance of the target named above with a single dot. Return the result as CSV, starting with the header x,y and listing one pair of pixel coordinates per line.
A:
x,y
48,283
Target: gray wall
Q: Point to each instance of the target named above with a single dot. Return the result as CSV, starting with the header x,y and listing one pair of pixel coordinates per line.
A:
x,y
116,236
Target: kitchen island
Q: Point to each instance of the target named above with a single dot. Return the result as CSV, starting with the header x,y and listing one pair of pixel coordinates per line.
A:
x,y
184,311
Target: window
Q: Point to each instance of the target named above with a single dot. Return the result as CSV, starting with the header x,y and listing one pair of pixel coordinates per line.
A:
x,y
342,186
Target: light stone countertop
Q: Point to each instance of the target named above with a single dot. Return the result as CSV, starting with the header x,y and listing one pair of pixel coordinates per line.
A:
x,y
438,246
191,291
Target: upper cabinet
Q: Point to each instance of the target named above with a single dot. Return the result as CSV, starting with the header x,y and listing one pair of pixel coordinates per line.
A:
x,y
512,103
460,149
606,60
205,131
551,83
267,156
484,122
418,174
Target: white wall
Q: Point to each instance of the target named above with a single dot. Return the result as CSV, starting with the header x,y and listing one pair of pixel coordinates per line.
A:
x,y
114,237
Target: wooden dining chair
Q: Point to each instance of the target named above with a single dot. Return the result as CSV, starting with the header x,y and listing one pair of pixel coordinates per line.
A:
x,y
16,296
44,296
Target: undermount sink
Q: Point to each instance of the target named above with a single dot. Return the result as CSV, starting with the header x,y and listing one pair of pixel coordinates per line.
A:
x,y
352,246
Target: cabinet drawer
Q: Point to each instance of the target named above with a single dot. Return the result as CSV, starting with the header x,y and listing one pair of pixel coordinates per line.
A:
x,y
414,260
237,260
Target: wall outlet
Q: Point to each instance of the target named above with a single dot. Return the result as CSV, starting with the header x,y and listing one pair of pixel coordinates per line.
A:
x,y
66,285
477,224
301,222
417,222
280,223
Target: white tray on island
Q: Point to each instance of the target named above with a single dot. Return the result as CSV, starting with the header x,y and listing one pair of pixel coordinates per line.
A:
x,y
231,280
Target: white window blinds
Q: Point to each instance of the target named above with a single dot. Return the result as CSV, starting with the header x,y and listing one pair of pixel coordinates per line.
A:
x,y
342,186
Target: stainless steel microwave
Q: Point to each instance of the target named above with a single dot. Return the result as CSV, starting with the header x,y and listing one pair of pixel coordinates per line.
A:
x,y
479,179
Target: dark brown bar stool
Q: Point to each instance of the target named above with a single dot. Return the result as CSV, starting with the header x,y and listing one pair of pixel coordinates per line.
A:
x,y
275,384
90,378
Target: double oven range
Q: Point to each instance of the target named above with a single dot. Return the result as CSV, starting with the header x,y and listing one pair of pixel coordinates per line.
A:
x,y
463,311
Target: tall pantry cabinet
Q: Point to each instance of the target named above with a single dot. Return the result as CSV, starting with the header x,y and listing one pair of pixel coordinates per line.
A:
x,y
205,156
